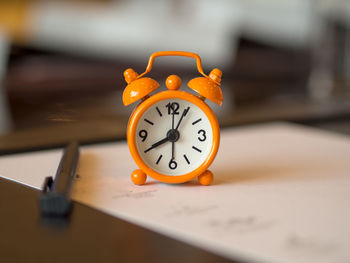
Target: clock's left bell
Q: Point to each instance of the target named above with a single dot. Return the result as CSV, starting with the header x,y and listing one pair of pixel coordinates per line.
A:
x,y
137,88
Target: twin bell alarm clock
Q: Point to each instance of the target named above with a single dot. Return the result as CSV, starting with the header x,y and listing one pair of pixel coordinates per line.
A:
x,y
173,136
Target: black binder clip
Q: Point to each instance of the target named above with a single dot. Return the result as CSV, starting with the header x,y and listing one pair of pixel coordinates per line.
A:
x,y
55,198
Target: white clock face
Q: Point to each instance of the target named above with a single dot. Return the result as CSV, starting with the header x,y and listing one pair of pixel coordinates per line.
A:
x,y
174,137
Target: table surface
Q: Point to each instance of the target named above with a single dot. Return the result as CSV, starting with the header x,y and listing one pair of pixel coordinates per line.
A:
x,y
87,236
283,183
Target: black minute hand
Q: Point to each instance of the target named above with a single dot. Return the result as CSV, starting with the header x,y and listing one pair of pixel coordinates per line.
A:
x,y
182,116
157,144
172,118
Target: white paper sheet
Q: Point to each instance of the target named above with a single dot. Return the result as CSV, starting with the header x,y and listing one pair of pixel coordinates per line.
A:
x,y
281,194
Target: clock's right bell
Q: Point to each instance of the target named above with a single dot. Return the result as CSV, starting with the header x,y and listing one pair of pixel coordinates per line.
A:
x,y
208,87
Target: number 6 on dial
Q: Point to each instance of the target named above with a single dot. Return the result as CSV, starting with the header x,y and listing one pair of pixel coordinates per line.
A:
x,y
173,136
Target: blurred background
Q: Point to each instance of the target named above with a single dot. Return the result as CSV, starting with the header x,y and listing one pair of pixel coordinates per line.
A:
x,y
62,63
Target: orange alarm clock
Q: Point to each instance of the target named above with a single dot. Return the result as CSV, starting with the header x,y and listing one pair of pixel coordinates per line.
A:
x,y
173,136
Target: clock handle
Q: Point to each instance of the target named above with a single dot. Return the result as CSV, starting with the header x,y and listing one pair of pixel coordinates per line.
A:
x,y
176,53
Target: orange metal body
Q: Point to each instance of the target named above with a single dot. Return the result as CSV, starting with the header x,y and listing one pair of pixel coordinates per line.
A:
x,y
138,89
206,178
206,88
138,177
139,86
138,113
175,53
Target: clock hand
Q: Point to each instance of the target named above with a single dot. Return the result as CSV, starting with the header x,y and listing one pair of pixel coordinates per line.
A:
x,y
173,117
177,126
183,114
172,127
157,144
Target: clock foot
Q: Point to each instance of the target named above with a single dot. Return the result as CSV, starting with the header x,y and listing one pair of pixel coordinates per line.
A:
x,y
138,177
206,178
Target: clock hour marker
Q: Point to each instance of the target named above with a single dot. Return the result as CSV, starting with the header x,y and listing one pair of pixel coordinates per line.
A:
x,y
188,161
195,122
159,112
195,148
160,157
149,121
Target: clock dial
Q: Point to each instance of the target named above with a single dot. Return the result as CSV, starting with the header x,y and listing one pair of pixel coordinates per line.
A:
x,y
174,137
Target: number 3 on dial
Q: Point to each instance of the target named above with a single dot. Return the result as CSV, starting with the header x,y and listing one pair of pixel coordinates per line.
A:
x,y
203,135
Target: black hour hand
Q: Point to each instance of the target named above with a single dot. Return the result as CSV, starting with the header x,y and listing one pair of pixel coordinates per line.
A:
x,y
157,144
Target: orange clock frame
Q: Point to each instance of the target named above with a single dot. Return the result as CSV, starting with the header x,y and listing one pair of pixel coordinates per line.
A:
x,y
145,105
